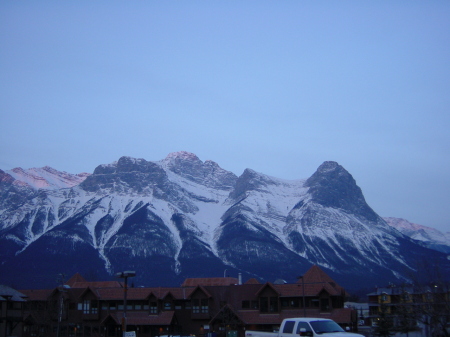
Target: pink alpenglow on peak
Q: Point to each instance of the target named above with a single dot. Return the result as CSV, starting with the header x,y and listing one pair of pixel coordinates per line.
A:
x,y
46,177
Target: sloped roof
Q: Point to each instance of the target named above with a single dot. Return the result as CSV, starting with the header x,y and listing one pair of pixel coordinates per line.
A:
x,y
11,294
101,284
143,318
252,281
269,285
78,281
316,276
75,278
37,294
210,281
143,293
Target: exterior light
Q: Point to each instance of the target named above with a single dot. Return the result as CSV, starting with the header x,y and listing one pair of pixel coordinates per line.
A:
x,y
125,275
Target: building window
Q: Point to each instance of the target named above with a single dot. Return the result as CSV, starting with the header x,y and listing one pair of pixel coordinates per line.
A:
x,y
268,304
88,307
264,304
204,306
324,304
94,307
167,305
153,308
245,304
195,306
274,304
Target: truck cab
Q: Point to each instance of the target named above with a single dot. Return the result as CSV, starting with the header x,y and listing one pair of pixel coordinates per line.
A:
x,y
311,327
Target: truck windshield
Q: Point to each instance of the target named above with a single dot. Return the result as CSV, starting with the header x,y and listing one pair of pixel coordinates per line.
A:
x,y
326,326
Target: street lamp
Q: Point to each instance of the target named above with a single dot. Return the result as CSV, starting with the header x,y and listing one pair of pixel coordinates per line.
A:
x,y
303,290
125,275
8,298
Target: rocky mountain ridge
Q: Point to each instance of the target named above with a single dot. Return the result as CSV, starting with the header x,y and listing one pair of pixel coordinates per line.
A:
x,y
429,237
181,217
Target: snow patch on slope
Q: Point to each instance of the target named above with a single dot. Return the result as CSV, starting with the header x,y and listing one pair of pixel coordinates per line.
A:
x,y
47,177
418,232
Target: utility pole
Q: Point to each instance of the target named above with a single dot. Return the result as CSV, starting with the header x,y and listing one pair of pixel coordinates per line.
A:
x,y
125,275
60,302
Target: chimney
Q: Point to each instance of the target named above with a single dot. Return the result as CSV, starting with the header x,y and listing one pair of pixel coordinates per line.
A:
x,y
240,278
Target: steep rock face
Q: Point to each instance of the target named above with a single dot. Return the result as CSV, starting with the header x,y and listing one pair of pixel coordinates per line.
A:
x,y
335,228
209,173
13,192
181,217
139,176
332,186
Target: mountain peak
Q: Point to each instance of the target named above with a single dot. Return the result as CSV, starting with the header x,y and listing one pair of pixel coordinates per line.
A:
x,y
332,186
208,173
328,166
46,177
181,155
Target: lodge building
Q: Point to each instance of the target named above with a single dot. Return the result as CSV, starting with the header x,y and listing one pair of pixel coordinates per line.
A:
x,y
200,306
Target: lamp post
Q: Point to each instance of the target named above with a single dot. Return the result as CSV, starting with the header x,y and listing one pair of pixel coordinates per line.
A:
x,y
125,275
303,291
62,290
8,298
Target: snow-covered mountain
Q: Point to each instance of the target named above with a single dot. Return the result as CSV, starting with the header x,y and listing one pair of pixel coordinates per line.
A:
x,y
430,237
46,178
181,217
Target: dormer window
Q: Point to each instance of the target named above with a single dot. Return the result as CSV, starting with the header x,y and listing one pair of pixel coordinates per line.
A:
x,y
167,305
200,306
268,304
88,307
153,308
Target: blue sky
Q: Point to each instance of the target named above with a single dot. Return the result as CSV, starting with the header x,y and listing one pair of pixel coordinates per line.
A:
x,y
275,86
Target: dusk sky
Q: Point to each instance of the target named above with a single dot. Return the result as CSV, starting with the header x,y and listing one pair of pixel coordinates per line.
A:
x,y
275,86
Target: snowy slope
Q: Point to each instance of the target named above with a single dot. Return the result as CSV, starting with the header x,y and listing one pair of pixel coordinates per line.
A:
x,y
431,237
182,217
46,177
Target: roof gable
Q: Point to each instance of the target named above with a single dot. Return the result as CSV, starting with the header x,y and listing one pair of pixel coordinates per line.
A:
x,y
316,275
268,285
252,281
210,281
75,278
200,289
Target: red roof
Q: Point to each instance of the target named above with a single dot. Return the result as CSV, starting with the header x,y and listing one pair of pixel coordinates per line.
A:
x,y
37,294
315,274
143,318
315,280
252,281
75,278
210,281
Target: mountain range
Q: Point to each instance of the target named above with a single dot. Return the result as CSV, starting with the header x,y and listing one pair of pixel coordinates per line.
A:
x,y
181,217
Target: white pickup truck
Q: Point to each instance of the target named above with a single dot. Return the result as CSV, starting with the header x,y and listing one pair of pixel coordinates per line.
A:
x,y
314,327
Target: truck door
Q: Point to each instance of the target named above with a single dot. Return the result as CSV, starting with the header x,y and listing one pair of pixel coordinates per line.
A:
x,y
287,329
304,329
